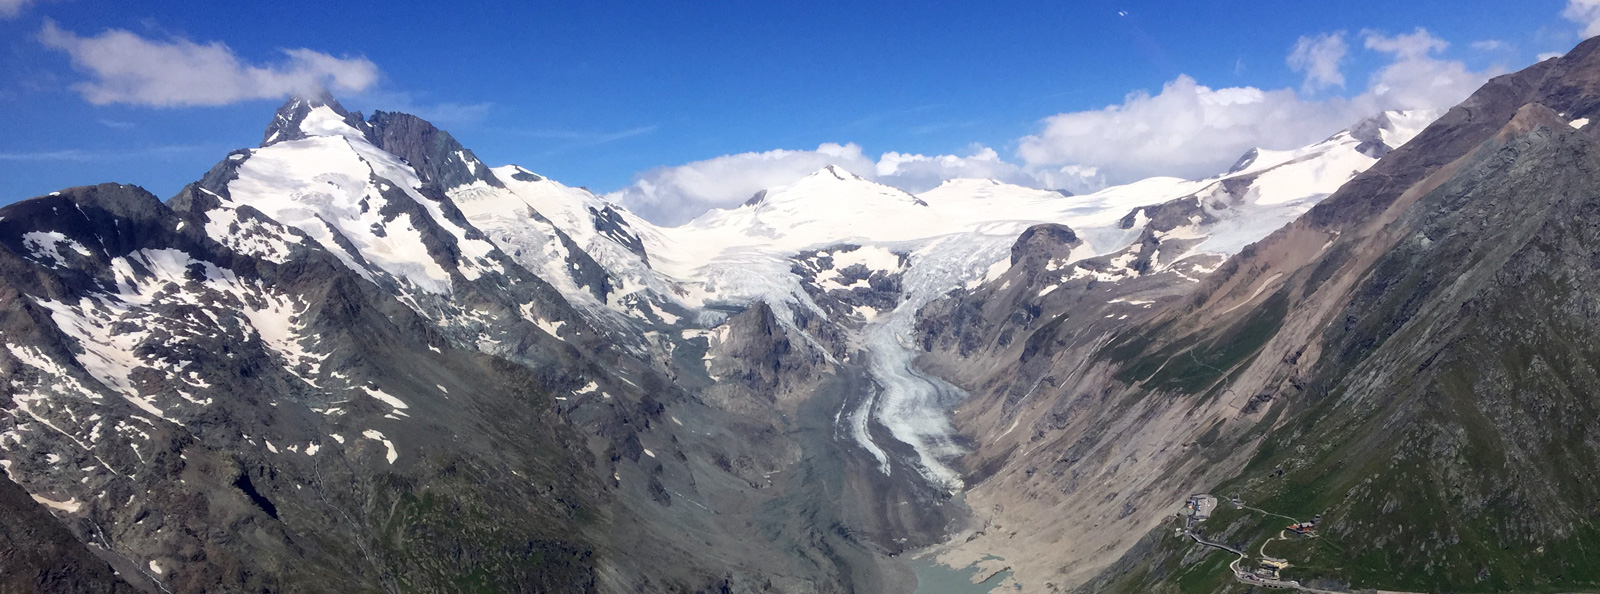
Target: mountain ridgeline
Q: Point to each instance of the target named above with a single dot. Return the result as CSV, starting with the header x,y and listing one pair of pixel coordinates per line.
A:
x,y
357,359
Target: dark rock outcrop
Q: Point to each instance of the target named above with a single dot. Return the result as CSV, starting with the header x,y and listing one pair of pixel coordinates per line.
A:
x,y
436,156
286,123
1040,243
39,556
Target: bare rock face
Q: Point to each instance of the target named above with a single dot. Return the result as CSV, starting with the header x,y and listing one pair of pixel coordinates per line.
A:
x,y
761,349
839,280
1370,132
1040,243
39,556
612,224
436,156
757,362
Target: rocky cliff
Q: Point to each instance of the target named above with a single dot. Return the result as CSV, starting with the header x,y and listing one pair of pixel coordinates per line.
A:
x,y
1407,363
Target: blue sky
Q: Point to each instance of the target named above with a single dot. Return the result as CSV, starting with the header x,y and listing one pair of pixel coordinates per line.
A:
x,y
608,94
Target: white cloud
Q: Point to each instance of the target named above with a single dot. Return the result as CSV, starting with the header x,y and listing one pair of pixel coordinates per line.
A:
x,y
1416,79
1191,130
1078,179
673,195
918,173
127,68
451,113
1186,130
10,9
1585,13
1491,45
1320,57
1406,46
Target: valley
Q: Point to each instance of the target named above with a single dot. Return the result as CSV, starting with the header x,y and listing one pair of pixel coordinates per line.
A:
x,y
356,358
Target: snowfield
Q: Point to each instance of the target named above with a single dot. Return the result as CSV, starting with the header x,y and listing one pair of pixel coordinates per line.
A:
x,y
959,235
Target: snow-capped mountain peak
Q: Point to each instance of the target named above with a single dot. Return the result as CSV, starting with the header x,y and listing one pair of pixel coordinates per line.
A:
x,y
825,207
323,172
322,115
836,172
835,180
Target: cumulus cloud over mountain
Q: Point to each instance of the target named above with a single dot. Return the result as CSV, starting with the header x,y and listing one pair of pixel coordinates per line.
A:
x,y
124,67
1187,129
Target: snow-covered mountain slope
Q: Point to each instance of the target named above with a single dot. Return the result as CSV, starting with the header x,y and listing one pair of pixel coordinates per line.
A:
x,y
359,202
582,245
845,263
829,207
161,384
814,248
326,179
401,202
316,344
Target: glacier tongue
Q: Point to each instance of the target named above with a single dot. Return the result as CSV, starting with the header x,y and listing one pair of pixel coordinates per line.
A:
x,y
330,179
910,403
958,235
632,278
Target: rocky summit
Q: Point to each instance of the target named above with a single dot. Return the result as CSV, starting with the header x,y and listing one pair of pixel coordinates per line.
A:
x,y
355,358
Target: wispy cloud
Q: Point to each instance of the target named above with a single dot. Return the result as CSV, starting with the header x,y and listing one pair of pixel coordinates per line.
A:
x,y
100,155
126,68
576,139
1585,13
1320,57
940,127
10,9
441,113
117,124
60,155
874,119
450,113
1418,44
1491,45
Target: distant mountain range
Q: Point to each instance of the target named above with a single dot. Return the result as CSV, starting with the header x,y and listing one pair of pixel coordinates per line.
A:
x,y
356,358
